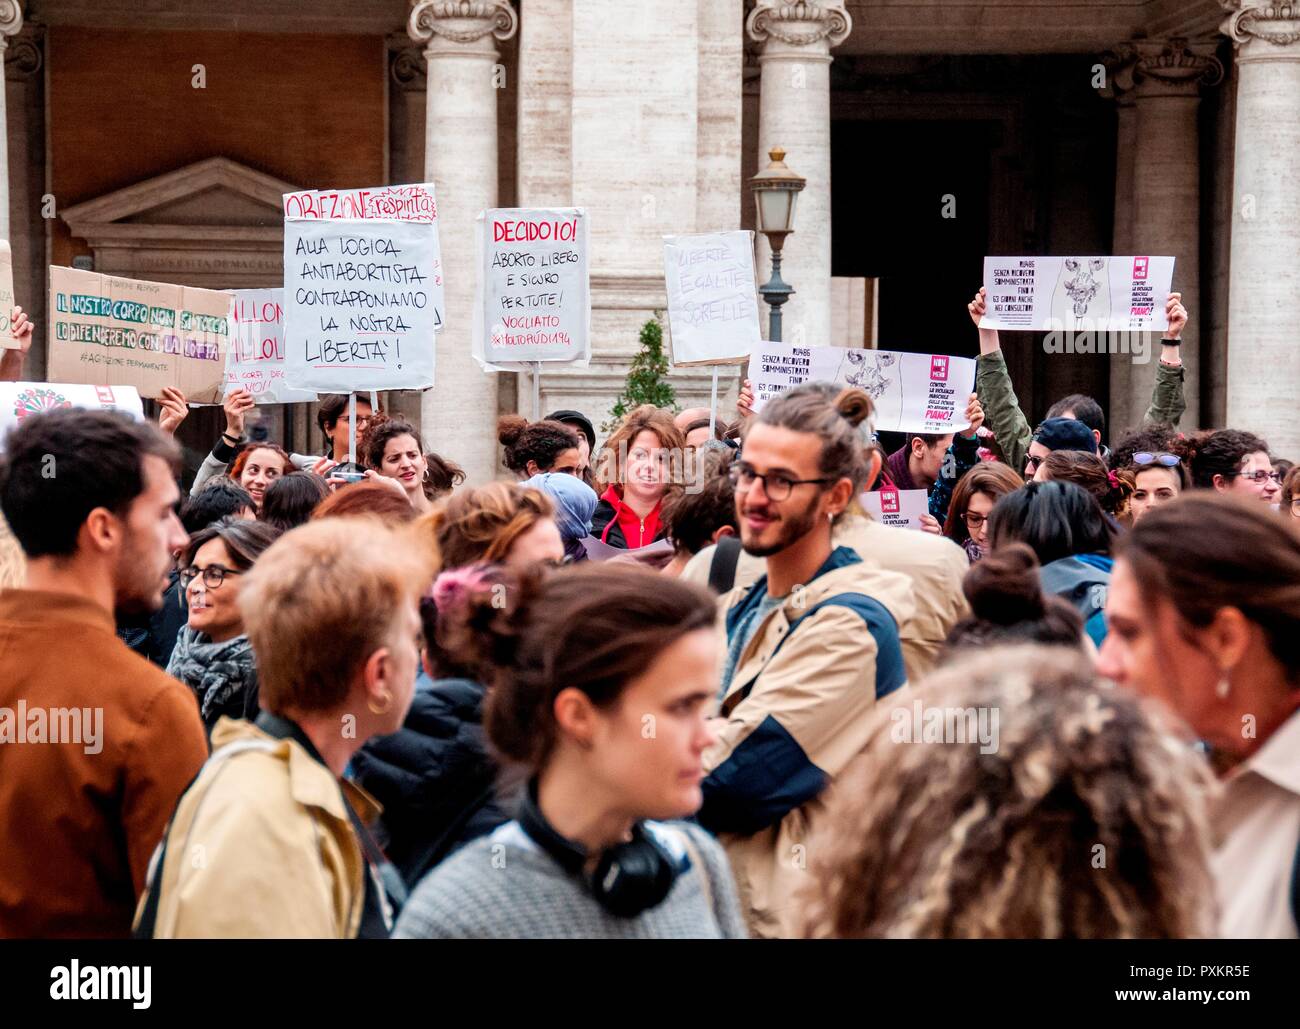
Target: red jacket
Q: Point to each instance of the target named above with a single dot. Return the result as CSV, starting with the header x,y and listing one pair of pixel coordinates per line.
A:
x,y
618,525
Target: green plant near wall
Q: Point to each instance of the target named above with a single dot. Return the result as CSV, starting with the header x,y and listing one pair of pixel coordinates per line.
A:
x,y
647,379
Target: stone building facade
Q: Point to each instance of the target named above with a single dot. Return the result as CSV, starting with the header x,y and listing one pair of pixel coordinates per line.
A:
x,y
154,140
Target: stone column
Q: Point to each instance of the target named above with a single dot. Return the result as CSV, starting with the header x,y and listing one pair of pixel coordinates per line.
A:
x,y
11,20
24,183
1264,273
794,113
1165,77
460,159
1119,88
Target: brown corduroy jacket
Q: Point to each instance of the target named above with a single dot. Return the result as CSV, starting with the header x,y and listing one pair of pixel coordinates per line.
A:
x,y
96,745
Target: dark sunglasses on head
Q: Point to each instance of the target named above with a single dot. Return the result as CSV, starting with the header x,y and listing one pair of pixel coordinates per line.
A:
x,y
1164,460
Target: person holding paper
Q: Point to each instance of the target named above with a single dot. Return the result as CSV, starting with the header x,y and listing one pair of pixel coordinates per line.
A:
x,y
1007,421
633,476
809,648
395,450
11,359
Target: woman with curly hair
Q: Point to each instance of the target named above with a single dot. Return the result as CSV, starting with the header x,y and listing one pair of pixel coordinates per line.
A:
x,y
537,447
1232,461
500,523
393,448
1010,795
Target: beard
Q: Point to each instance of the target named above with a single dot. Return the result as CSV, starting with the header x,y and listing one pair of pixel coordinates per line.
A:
x,y
791,527
140,580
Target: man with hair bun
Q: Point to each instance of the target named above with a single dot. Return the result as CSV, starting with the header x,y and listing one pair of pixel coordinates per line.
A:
x,y
808,648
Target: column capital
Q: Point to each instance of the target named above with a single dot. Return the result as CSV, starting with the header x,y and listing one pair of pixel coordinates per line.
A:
x,y
1162,67
800,22
408,69
461,21
11,20
1263,20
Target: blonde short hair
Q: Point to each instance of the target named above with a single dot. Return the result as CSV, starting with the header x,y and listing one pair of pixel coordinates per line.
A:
x,y
321,600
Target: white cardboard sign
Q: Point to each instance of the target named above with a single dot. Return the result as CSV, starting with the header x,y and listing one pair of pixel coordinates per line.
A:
x,y
363,288
257,348
909,392
1117,294
533,301
19,400
712,301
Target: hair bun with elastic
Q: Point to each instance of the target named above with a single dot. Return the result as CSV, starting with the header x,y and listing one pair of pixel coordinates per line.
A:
x,y
1004,587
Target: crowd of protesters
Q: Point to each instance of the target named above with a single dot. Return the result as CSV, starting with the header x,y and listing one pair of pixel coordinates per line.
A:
x,y
673,683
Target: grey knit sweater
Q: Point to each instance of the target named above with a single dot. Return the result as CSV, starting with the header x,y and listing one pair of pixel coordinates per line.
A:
x,y
503,886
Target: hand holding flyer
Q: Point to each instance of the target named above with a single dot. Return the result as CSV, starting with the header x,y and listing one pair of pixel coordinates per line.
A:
x,y
899,509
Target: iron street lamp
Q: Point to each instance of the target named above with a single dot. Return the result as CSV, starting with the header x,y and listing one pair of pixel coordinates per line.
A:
x,y
776,188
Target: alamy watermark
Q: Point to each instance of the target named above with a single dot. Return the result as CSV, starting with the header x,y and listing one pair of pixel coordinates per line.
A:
x,y
1097,336
79,725
918,723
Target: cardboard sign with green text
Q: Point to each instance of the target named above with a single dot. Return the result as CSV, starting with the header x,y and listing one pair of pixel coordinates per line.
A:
x,y
129,332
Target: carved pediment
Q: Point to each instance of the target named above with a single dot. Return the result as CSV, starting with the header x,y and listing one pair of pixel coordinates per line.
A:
x,y
213,223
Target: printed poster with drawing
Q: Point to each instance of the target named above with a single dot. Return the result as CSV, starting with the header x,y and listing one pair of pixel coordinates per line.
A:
x,y
19,400
1116,294
712,300
899,509
363,289
909,392
112,331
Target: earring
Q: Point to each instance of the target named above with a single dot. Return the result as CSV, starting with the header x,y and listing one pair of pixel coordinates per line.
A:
x,y
388,702
1224,687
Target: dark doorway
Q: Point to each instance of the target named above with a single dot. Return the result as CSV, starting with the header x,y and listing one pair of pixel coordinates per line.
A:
x,y
891,185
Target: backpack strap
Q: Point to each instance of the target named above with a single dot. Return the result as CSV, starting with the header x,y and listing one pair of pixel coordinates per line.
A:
x,y
722,569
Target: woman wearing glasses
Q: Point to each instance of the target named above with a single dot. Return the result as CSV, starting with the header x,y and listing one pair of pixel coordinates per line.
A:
x,y
212,655
1232,461
973,498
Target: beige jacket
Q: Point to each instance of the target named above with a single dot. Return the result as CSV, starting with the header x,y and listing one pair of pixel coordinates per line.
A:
x,y
934,564
1257,823
796,712
262,847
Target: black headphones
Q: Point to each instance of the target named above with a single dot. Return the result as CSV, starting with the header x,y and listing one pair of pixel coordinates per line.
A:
x,y
629,877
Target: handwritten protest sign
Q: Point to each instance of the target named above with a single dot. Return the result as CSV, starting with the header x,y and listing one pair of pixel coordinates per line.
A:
x,y
533,301
1118,294
712,302
899,509
129,332
7,341
363,291
909,392
257,348
19,400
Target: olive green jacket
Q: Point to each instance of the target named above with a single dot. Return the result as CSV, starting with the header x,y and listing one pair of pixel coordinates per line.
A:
x,y
1003,417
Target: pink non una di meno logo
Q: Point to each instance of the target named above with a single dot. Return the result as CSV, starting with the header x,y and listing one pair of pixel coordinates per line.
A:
x,y
938,369
1140,265
889,501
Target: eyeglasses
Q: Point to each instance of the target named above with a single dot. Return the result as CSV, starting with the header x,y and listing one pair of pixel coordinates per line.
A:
x,y
1259,475
1032,463
213,575
1295,507
974,521
777,487
1164,460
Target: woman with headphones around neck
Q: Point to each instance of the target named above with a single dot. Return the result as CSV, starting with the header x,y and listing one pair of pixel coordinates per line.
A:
x,y
601,688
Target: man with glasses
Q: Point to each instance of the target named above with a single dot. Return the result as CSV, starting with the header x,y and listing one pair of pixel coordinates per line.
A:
x,y
1057,434
809,647
96,743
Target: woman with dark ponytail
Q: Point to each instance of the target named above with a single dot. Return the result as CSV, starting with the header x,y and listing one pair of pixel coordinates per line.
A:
x,y
1204,611
1008,605
599,684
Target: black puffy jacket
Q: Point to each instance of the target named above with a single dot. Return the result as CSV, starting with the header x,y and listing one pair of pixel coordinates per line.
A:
x,y
433,776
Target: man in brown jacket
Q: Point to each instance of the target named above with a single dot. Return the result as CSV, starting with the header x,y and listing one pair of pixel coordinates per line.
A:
x,y
96,743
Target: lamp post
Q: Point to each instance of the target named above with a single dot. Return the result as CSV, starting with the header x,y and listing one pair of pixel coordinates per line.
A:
x,y
776,188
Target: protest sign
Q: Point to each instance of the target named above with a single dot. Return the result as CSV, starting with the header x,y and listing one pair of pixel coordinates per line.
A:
x,y
712,302
363,292
909,392
533,301
257,348
19,400
1118,294
7,341
108,330
899,509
